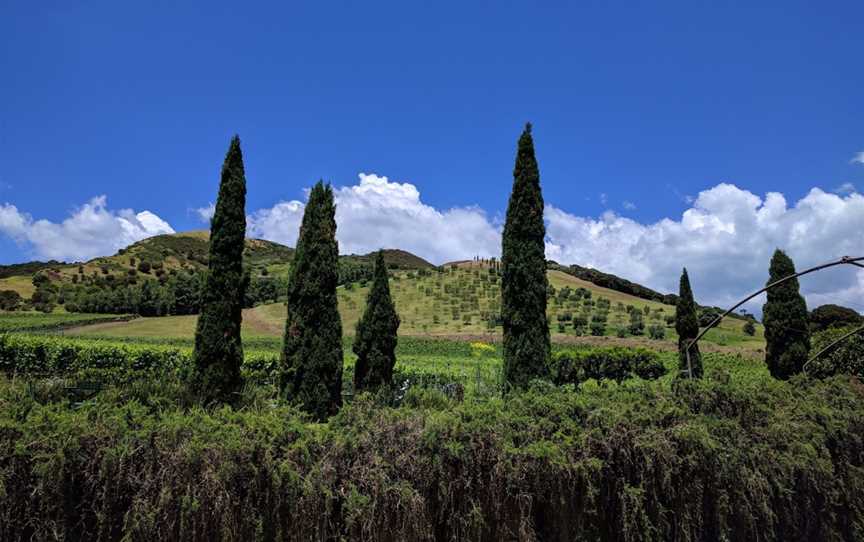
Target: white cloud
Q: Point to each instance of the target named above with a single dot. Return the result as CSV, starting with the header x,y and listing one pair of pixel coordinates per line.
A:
x,y
377,213
858,158
845,189
604,199
629,206
206,213
725,240
92,230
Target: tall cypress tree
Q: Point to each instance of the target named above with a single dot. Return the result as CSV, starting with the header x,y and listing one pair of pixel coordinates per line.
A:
x,y
687,326
787,332
375,342
523,279
218,349
312,349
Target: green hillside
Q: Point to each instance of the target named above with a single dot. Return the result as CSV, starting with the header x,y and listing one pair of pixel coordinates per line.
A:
x,y
187,250
462,301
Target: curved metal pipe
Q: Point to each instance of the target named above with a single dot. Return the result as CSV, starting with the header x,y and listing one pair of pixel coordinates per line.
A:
x,y
845,260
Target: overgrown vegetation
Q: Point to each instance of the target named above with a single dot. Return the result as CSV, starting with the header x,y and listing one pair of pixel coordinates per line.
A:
x,y
718,459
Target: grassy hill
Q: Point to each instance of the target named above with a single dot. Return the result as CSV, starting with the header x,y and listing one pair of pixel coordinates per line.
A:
x,y
461,301
187,250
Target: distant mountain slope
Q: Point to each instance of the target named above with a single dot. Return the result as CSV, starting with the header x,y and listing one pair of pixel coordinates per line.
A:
x,y
614,282
186,250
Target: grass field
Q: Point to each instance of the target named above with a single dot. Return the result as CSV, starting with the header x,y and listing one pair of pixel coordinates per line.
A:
x,y
22,285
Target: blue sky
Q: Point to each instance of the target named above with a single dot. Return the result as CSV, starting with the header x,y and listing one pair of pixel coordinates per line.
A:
x,y
648,103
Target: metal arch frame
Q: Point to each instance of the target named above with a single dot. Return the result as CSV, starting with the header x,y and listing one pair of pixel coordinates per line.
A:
x,y
845,260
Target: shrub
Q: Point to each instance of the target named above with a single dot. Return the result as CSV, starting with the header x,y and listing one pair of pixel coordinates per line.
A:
x,y
846,357
598,329
618,364
144,266
749,328
657,332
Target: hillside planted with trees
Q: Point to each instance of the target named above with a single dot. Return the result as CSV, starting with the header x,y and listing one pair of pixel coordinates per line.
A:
x,y
107,438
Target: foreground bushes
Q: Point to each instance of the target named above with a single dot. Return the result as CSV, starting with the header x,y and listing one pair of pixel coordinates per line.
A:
x,y
618,364
711,461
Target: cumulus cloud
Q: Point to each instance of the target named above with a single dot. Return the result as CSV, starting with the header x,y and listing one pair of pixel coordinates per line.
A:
x,y
858,158
629,205
205,213
378,213
725,240
92,230
845,188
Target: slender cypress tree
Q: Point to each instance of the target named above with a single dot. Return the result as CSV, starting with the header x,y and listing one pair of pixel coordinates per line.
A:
x,y
218,349
787,332
375,342
687,326
312,349
523,280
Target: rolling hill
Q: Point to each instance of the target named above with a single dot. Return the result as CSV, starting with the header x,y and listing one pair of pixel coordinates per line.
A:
x,y
187,250
460,301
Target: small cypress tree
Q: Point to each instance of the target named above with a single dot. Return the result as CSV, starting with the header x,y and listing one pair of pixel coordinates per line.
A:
x,y
312,348
523,279
375,342
218,349
687,327
787,332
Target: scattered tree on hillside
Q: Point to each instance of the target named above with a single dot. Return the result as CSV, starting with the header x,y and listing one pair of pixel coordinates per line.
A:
x,y
375,342
687,327
787,335
312,350
827,316
218,351
749,328
10,300
523,281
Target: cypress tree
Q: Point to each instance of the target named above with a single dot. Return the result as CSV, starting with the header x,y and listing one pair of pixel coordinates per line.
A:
x,y
312,348
218,351
523,279
787,333
687,327
375,342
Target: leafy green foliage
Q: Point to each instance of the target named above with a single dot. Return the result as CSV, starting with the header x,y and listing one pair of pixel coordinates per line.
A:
x,y
787,333
30,321
218,346
523,281
687,327
763,460
616,364
827,316
376,339
312,352
10,300
846,357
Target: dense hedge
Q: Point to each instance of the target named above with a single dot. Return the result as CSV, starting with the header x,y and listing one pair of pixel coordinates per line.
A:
x,y
710,460
22,354
618,364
